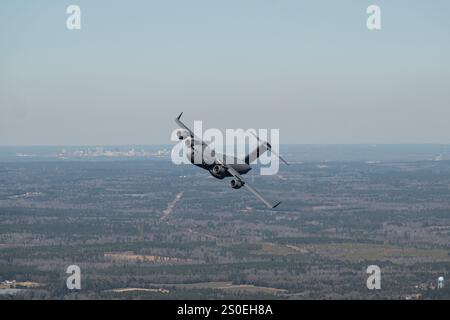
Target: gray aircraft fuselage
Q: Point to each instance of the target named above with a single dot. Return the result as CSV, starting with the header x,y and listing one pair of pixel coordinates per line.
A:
x,y
216,170
221,166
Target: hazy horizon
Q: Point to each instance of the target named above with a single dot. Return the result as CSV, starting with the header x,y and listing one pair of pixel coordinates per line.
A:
x,y
371,154
173,143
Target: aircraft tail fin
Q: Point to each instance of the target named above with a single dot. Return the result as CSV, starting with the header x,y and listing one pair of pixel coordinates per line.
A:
x,y
253,155
262,147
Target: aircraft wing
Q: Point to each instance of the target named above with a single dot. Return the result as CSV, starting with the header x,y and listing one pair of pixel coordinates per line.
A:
x,y
191,133
182,125
236,174
260,197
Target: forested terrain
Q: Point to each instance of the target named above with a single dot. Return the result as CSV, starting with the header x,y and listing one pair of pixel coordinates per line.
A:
x,y
113,220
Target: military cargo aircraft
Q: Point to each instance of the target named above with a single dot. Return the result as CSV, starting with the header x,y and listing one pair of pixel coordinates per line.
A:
x,y
221,166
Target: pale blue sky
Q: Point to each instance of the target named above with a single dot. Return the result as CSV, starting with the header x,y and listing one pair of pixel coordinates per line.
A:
x,y
310,68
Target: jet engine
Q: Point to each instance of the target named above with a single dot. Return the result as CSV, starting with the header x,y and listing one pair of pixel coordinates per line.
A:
x,y
218,170
189,142
182,134
236,184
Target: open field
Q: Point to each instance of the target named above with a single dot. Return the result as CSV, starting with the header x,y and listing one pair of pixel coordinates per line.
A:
x,y
361,252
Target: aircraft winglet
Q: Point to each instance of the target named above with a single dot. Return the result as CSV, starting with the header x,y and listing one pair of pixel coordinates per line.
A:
x,y
276,204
